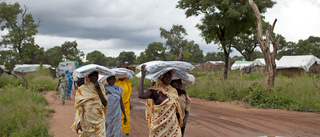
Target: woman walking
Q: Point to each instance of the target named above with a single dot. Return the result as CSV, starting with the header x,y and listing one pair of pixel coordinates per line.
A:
x,y
126,86
113,124
163,112
91,108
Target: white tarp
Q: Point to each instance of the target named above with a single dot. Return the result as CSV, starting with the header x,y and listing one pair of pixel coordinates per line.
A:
x,y
260,62
119,73
63,66
304,62
155,66
87,69
240,64
215,62
178,74
29,67
154,69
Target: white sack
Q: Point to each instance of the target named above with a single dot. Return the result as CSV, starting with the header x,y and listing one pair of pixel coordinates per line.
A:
x,y
119,73
88,69
155,66
177,73
123,72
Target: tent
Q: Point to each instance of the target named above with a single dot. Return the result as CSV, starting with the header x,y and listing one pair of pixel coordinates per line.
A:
x,y
259,65
28,67
240,64
213,65
63,66
290,65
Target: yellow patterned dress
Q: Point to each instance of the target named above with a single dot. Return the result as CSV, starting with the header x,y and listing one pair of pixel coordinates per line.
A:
x,y
126,86
162,119
89,111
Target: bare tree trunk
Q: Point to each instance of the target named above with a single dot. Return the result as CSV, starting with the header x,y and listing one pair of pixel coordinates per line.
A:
x,y
24,79
226,65
269,57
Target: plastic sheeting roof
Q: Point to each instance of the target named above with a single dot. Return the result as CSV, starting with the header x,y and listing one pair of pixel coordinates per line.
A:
x,y
304,62
240,64
260,62
216,62
29,67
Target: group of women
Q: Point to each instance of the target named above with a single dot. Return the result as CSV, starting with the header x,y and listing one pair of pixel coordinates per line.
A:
x,y
99,113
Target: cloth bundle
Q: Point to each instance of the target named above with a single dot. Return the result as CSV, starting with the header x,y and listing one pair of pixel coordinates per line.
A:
x,y
154,69
119,73
88,69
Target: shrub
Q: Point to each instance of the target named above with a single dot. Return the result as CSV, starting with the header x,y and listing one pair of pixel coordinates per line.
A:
x,y
22,113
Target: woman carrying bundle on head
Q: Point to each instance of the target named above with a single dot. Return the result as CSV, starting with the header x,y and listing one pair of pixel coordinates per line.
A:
x,y
91,108
163,112
115,106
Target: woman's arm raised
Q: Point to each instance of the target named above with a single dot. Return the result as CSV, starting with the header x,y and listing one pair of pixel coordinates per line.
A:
x,y
141,93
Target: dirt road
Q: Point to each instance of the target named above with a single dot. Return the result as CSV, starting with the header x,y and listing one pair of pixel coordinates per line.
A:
x,y
207,119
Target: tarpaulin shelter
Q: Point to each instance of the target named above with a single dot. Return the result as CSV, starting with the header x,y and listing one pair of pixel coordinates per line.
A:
x,y
291,65
214,65
63,66
28,67
240,64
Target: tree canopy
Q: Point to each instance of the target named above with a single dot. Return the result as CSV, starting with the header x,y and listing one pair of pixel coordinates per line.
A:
x,y
175,40
96,57
20,31
223,20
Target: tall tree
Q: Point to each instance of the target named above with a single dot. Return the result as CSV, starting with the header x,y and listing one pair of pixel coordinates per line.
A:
x,y
54,55
214,56
126,56
269,57
155,51
223,20
96,57
70,51
175,40
142,58
9,58
33,54
193,53
21,31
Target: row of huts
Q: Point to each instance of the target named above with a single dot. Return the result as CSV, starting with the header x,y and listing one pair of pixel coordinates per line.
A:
x,y
287,65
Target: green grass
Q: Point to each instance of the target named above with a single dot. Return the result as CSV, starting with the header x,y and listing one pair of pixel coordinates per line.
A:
x,y
39,81
23,113
298,93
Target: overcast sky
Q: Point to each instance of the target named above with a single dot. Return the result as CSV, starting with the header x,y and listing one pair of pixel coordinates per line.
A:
x,y
113,26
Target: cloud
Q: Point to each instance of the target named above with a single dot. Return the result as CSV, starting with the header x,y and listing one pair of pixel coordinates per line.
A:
x,y
113,26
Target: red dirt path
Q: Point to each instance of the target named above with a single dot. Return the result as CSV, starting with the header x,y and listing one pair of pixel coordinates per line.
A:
x,y
207,119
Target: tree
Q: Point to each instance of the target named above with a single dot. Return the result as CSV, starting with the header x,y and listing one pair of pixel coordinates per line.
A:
x,y
142,58
126,56
111,61
223,20
96,57
269,57
155,51
214,56
33,54
71,52
21,31
9,58
54,55
175,40
193,53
